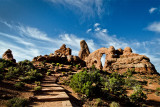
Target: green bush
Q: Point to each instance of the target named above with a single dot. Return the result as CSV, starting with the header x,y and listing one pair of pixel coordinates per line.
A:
x,y
19,85
114,84
37,88
57,64
38,83
5,63
129,83
77,66
114,104
17,102
129,72
99,102
138,95
86,83
61,65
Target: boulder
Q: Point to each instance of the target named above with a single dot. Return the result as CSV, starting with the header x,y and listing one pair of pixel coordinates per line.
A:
x,y
84,52
8,56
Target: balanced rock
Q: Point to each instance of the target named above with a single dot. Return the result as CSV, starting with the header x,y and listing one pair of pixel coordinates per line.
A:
x,y
63,51
8,56
84,52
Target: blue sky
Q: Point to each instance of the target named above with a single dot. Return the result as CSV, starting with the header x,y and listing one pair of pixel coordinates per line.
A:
x,y
38,27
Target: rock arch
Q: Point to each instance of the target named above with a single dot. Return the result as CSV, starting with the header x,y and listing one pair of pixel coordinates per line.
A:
x,y
95,57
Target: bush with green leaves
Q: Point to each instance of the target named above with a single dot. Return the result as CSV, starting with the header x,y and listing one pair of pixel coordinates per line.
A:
x,y
77,66
19,85
49,72
17,102
129,72
37,83
114,104
99,102
114,84
157,91
13,72
87,83
129,83
5,63
138,95
37,88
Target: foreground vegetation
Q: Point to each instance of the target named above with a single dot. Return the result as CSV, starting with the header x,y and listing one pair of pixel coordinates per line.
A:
x,y
90,84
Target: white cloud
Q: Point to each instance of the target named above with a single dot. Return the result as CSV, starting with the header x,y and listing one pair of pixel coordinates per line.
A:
x,y
17,39
96,24
6,23
151,10
33,32
104,30
89,30
155,27
97,29
86,7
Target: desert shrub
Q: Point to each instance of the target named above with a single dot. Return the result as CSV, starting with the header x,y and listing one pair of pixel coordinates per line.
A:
x,y
61,65
17,102
129,72
37,88
86,83
5,63
13,72
37,83
70,72
114,84
57,64
35,74
114,104
25,65
99,101
53,64
129,83
49,72
70,66
77,66
19,85
138,95
157,91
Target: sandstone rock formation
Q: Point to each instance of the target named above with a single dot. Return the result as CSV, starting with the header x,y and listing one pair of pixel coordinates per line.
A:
x,y
8,56
120,60
63,51
84,52
62,55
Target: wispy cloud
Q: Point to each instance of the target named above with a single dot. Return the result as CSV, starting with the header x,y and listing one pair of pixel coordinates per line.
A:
x,y
33,32
151,10
155,27
6,23
17,39
96,24
86,7
89,30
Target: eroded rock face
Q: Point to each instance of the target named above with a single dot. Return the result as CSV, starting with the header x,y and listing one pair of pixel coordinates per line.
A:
x,y
63,55
8,56
120,60
63,51
84,52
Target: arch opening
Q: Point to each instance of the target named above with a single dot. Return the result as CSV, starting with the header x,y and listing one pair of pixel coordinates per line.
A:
x,y
103,60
